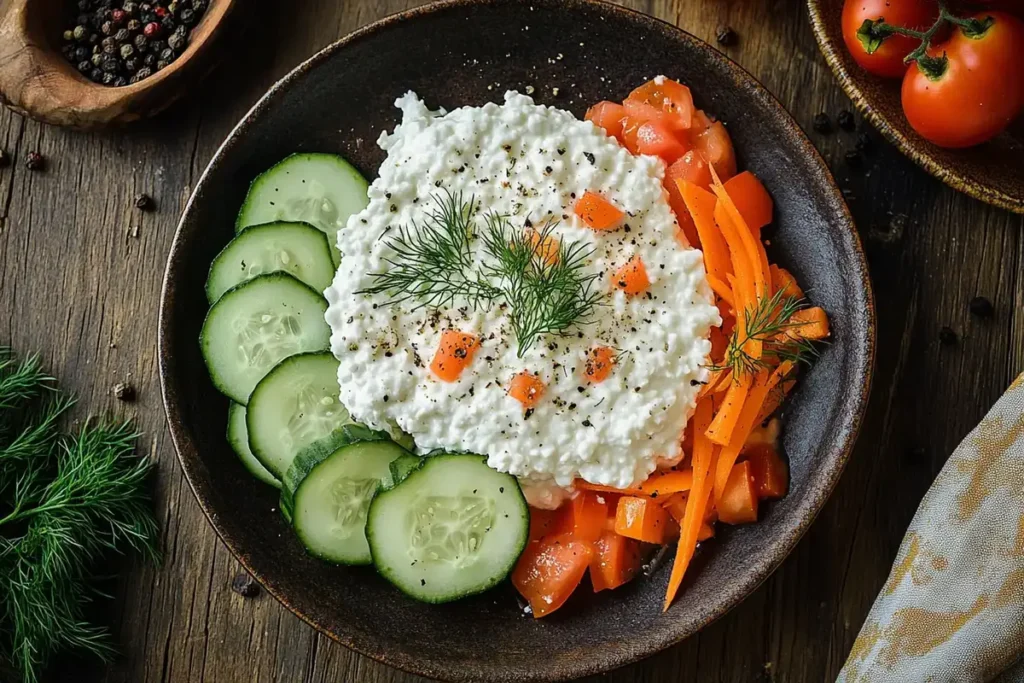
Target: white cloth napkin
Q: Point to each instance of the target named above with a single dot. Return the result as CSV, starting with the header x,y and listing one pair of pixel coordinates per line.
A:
x,y
952,610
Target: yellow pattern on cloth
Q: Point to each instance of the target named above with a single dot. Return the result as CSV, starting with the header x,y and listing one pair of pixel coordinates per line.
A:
x,y
952,610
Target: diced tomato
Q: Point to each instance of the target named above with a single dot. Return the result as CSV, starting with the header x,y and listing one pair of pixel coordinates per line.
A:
x,y
701,122
738,504
615,562
751,200
599,363
630,125
632,278
662,99
644,519
549,570
769,470
550,522
691,167
597,212
544,247
453,354
589,514
607,115
656,139
527,388
715,145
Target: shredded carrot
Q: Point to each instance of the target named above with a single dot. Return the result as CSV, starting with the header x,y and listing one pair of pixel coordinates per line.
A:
x,y
719,378
808,323
601,488
720,288
762,384
666,483
751,245
701,205
693,518
453,354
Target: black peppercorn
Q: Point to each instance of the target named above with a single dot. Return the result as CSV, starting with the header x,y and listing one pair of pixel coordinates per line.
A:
x,y
131,64
166,55
108,78
845,120
109,65
149,61
68,51
84,66
110,49
144,202
130,8
725,35
864,141
947,336
188,17
853,159
96,75
122,36
133,25
198,6
106,27
822,123
141,42
108,42
245,585
34,161
82,53
84,5
177,42
157,46
162,64
144,72
982,307
5,160
93,38
120,82
69,36
124,391
168,23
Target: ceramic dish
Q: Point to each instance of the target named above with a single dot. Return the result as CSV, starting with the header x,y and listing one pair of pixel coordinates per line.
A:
x,y
339,101
991,172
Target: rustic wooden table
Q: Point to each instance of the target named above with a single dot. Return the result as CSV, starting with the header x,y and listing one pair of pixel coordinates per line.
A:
x,y
80,273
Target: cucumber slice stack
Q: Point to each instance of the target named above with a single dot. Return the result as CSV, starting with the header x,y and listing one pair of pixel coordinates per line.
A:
x,y
438,527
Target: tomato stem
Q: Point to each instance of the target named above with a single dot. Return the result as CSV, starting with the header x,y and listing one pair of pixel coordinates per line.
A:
x,y
872,33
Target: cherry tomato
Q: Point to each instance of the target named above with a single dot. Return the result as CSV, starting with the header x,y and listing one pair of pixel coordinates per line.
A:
x,y
971,87
885,58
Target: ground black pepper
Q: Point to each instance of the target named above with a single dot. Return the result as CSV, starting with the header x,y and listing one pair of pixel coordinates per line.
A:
x,y
245,585
822,123
982,307
117,42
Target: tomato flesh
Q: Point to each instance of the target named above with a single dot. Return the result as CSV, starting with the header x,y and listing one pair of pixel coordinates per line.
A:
x,y
656,139
607,115
549,570
662,99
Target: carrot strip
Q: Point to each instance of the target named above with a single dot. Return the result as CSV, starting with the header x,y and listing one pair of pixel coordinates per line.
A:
x,y
717,378
720,288
746,237
601,488
667,482
701,205
693,518
724,425
763,383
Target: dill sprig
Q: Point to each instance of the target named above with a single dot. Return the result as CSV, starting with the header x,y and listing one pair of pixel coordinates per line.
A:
x,y
546,295
69,501
434,264
766,322
432,261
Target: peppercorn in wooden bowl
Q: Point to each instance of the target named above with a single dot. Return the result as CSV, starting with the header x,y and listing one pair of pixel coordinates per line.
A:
x,y
37,80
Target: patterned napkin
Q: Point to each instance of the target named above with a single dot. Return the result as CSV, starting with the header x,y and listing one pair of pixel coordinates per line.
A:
x,y
952,610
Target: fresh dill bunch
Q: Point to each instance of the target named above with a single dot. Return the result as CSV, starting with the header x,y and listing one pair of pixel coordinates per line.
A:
x,y
432,262
766,322
68,502
547,292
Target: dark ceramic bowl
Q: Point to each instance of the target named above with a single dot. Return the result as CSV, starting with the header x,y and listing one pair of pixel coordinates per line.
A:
x,y
467,52
992,172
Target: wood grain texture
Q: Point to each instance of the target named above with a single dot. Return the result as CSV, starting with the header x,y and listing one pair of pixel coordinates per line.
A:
x,y
77,286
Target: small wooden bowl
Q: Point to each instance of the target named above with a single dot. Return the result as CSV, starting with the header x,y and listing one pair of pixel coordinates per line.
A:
x,y
37,81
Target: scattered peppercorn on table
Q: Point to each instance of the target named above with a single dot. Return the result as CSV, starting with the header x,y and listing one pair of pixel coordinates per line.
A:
x,y
949,342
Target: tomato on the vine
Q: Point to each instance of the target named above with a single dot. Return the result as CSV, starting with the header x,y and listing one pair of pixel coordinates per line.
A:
x,y
968,89
885,57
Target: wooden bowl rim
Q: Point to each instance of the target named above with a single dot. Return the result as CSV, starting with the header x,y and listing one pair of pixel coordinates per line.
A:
x,y
919,154
849,419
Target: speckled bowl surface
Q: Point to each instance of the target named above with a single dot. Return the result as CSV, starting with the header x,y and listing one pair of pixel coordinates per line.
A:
x,y
992,172
468,52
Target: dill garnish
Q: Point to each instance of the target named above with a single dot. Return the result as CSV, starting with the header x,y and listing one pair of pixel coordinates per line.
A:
x,y
547,292
69,501
766,322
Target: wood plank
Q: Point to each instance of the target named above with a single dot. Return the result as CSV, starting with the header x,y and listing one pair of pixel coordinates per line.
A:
x,y
77,287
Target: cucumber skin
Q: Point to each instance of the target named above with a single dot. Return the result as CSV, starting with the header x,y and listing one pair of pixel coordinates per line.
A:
x,y
277,275
402,468
315,453
382,495
265,476
238,232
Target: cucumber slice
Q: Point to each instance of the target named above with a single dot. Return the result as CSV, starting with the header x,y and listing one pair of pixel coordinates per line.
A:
x,y
294,248
294,405
257,324
453,528
328,489
320,189
403,467
238,437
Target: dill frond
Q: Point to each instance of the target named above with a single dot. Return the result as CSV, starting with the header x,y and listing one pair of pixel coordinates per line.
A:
x,y
766,322
69,501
